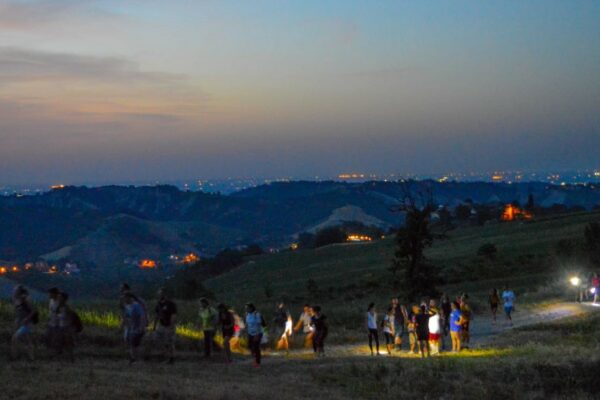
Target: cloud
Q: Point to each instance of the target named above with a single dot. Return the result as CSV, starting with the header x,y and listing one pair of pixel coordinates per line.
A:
x,y
22,65
28,14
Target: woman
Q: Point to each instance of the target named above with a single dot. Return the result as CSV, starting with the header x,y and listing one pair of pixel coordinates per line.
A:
x,y
372,328
226,323
319,324
389,327
494,300
456,324
25,318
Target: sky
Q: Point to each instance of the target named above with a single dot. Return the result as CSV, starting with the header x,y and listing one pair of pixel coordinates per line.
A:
x,y
106,90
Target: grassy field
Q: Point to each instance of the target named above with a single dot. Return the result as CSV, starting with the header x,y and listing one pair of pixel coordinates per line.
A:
x,y
550,360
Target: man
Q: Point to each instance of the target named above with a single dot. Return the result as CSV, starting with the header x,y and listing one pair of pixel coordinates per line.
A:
x,y
135,327
319,323
446,309
52,326
254,327
304,323
399,318
208,325
25,319
165,318
508,297
124,291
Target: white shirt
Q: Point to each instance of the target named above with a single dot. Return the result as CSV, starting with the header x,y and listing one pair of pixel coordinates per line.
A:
x,y
434,324
372,320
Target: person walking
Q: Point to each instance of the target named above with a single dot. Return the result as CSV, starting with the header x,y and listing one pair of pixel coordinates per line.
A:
x,y
372,330
25,318
304,324
164,325
254,325
319,324
226,325
65,334
494,301
280,321
389,326
208,324
508,297
238,327
135,327
422,327
456,324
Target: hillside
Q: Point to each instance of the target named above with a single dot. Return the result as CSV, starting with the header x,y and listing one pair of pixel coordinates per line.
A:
x,y
344,273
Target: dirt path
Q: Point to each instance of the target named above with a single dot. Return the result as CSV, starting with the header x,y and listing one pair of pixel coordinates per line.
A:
x,y
482,329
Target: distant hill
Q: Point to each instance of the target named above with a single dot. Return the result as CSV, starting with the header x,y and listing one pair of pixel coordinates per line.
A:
x,y
104,225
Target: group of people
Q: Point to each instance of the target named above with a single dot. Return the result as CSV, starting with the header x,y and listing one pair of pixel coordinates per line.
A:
x,y
428,323
222,319
63,323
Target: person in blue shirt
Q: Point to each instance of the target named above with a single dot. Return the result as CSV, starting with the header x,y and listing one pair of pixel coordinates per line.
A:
x,y
135,326
255,324
456,323
508,297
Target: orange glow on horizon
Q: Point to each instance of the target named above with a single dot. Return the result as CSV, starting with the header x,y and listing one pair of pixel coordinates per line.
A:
x,y
512,213
147,264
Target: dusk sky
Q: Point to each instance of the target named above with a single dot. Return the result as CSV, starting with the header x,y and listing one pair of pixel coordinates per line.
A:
x,y
143,90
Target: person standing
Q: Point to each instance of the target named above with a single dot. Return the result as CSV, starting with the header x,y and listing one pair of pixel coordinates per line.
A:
x,y
389,326
467,314
412,329
164,326
399,321
319,324
254,327
135,327
508,297
446,309
226,325
422,322
595,287
208,324
456,324
238,326
435,330
372,331
304,324
494,301
25,319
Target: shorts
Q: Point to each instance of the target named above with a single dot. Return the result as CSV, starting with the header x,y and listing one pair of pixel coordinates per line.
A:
x,y
164,335
389,338
434,337
399,330
23,330
412,337
508,309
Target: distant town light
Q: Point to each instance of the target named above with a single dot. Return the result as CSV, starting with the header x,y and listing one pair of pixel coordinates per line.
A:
x,y
147,264
358,238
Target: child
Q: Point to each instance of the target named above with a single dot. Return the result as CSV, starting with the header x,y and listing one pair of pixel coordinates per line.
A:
x,y
456,324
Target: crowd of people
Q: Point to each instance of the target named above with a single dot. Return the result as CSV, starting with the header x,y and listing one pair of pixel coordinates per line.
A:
x,y
426,325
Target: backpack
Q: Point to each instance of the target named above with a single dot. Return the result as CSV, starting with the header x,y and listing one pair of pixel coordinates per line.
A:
x,y
76,322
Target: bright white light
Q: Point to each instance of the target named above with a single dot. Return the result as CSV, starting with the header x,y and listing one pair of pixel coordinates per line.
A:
x,y
575,281
593,290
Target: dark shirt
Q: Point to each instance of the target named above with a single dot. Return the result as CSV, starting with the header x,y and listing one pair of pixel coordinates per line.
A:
x,y
165,309
398,315
226,322
319,323
446,309
422,324
280,318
